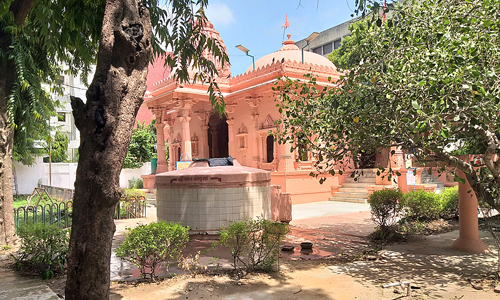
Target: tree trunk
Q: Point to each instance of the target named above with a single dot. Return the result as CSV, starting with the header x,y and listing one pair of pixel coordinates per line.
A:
x,y
7,228
105,122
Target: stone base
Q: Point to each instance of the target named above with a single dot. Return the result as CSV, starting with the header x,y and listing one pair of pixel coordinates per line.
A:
x,y
148,181
469,246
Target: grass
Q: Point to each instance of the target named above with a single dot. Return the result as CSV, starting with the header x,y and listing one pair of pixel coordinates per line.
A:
x,y
22,201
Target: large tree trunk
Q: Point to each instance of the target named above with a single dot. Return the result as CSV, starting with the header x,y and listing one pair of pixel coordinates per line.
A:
x,y
7,229
20,10
105,123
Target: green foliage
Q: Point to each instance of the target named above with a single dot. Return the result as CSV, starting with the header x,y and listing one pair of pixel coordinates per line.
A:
x,y
427,79
150,246
422,205
386,208
254,244
141,148
43,249
135,183
132,192
449,203
59,148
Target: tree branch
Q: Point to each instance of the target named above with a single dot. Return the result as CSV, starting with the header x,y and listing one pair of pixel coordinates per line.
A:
x,y
20,9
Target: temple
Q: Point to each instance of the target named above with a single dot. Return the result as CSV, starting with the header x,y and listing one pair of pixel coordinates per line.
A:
x,y
185,118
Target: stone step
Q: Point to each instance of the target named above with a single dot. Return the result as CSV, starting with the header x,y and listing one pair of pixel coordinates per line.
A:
x,y
356,185
352,200
361,180
352,190
351,195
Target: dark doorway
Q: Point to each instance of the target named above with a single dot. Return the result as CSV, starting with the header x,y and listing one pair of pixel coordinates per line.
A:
x,y
178,153
367,159
270,148
218,138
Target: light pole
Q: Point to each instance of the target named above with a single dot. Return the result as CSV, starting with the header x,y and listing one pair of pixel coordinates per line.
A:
x,y
311,38
244,49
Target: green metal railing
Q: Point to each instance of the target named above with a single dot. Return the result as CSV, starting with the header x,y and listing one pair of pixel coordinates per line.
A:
x,y
60,213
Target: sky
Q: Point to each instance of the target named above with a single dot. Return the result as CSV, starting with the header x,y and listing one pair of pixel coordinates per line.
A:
x,y
257,24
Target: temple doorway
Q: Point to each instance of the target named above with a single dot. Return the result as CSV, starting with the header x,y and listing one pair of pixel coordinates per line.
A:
x,y
218,138
367,159
270,148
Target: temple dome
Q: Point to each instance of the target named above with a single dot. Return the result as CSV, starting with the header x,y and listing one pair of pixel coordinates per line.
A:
x,y
289,51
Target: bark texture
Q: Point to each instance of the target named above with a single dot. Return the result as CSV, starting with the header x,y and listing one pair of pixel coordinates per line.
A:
x,y
7,228
105,122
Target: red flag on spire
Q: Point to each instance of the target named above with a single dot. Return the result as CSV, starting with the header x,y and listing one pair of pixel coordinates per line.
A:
x,y
286,22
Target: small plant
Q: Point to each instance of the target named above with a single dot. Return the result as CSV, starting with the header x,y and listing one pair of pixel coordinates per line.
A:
x,y
43,249
422,205
254,244
135,183
214,261
385,207
191,262
150,246
449,203
129,193
5,247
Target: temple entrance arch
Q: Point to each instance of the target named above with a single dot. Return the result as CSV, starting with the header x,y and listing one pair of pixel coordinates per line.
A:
x,y
218,138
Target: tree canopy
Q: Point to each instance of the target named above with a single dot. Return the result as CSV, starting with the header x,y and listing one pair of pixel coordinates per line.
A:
x,y
142,146
425,80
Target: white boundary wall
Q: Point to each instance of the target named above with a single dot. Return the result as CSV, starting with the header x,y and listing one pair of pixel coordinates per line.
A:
x,y
63,175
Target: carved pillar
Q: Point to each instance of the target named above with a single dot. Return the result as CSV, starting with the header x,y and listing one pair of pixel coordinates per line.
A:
x,y
185,118
203,116
160,141
230,128
171,149
254,104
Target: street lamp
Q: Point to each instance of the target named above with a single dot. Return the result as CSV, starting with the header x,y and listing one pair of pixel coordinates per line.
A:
x,y
244,49
311,38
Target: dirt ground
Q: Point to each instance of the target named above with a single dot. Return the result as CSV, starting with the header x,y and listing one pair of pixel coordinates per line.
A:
x,y
434,272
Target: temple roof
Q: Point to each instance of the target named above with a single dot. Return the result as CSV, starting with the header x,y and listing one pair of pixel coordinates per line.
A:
x,y
289,51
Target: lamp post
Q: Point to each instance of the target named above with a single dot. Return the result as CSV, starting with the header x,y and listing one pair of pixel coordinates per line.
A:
x,y
244,49
309,39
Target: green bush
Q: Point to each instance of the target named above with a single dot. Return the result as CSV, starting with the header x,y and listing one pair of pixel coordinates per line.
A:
x,y
135,183
254,244
449,203
422,205
128,193
150,246
385,207
43,249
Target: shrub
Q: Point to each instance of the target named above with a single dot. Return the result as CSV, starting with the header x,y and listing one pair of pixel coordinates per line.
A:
x,y
150,246
43,249
385,207
449,203
254,244
135,183
422,205
128,193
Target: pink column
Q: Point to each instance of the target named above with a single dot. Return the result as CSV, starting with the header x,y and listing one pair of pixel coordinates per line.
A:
x,y
203,146
254,102
160,149
468,238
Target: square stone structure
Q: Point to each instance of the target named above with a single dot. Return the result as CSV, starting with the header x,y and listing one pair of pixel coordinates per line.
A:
x,y
209,198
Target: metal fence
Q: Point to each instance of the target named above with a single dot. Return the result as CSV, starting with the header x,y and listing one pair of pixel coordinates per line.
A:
x,y
61,213
130,208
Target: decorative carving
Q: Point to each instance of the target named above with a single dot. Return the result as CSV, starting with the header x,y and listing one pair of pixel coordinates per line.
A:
x,y
178,139
243,129
194,144
268,123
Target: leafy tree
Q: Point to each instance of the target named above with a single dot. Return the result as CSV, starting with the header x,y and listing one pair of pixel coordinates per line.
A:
x,y
69,31
106,119
141,148
426,81
59,148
